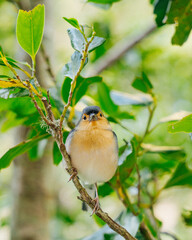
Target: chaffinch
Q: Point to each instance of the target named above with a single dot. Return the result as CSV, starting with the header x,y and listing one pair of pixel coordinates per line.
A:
x,y
93,148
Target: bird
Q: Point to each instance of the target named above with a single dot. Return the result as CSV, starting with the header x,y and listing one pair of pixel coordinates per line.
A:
x,y
93,149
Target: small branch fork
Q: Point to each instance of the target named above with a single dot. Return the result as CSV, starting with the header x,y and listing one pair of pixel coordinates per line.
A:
x,y
57,133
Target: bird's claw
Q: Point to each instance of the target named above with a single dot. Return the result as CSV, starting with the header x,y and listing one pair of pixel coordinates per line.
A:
x,y
97,205
74,173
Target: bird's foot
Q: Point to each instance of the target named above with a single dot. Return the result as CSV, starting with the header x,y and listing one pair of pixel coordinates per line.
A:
x,y
74,174
97,205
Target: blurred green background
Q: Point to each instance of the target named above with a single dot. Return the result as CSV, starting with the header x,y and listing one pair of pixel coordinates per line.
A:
x,y
167,66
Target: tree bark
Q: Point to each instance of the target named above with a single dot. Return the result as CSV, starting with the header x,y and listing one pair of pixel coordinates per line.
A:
x,y
30,213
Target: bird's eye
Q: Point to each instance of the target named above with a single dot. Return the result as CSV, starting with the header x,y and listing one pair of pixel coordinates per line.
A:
x,y
101,115
84,117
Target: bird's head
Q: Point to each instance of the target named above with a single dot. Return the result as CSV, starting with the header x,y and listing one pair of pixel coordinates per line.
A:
x,y
92,117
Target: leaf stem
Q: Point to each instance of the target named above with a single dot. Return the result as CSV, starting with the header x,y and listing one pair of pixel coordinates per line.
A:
x,y
73,83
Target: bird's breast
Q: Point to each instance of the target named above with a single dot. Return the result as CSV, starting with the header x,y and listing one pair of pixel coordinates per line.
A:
x,y
94,154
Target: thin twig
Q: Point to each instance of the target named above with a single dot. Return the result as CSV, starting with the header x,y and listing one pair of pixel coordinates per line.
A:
x,y
145,232
169,234
49,123
139,185
73,83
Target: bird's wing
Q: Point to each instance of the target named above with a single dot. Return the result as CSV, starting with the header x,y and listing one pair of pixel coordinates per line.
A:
x,y
115,136
67,144
68,140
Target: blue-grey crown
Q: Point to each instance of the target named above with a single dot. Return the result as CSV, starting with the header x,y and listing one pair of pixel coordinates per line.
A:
x,y
91,109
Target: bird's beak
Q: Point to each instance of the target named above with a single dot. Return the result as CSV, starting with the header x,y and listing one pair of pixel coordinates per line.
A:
x,y
93,117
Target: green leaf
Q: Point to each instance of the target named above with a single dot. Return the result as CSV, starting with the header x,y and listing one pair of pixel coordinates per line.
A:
x,y
13,93
77,39
160,149
19,149
126,219
184,125
29,30
80,89
70,69
180,13
37,151
167,152
103,1
72,21
97,42
57,157
12,63
187,217
124,115
12,121
151,222
160,10
122,98
5,76
174,117
105,190
21,106
105,100
102,6
127,160
181,177
142,83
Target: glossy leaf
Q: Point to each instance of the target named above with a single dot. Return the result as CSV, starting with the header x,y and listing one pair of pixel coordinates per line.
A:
x,y
160,149
160,9
12,121
29,30
127,161
126,219
97,42
80,89
12,63
142,83
10,83
122,98
181,177
37,151
72,21
22,106
184,125
180,13
167,152
105,190
77,39
19,149
70,69
57,157
187,217
13,93
174,117
103,1
105,100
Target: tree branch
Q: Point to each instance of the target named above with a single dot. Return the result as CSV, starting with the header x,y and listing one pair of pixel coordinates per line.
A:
x,y
117,51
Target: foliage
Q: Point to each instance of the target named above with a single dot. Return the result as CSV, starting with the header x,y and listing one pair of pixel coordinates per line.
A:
x,y
143,165
30,27
178,12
